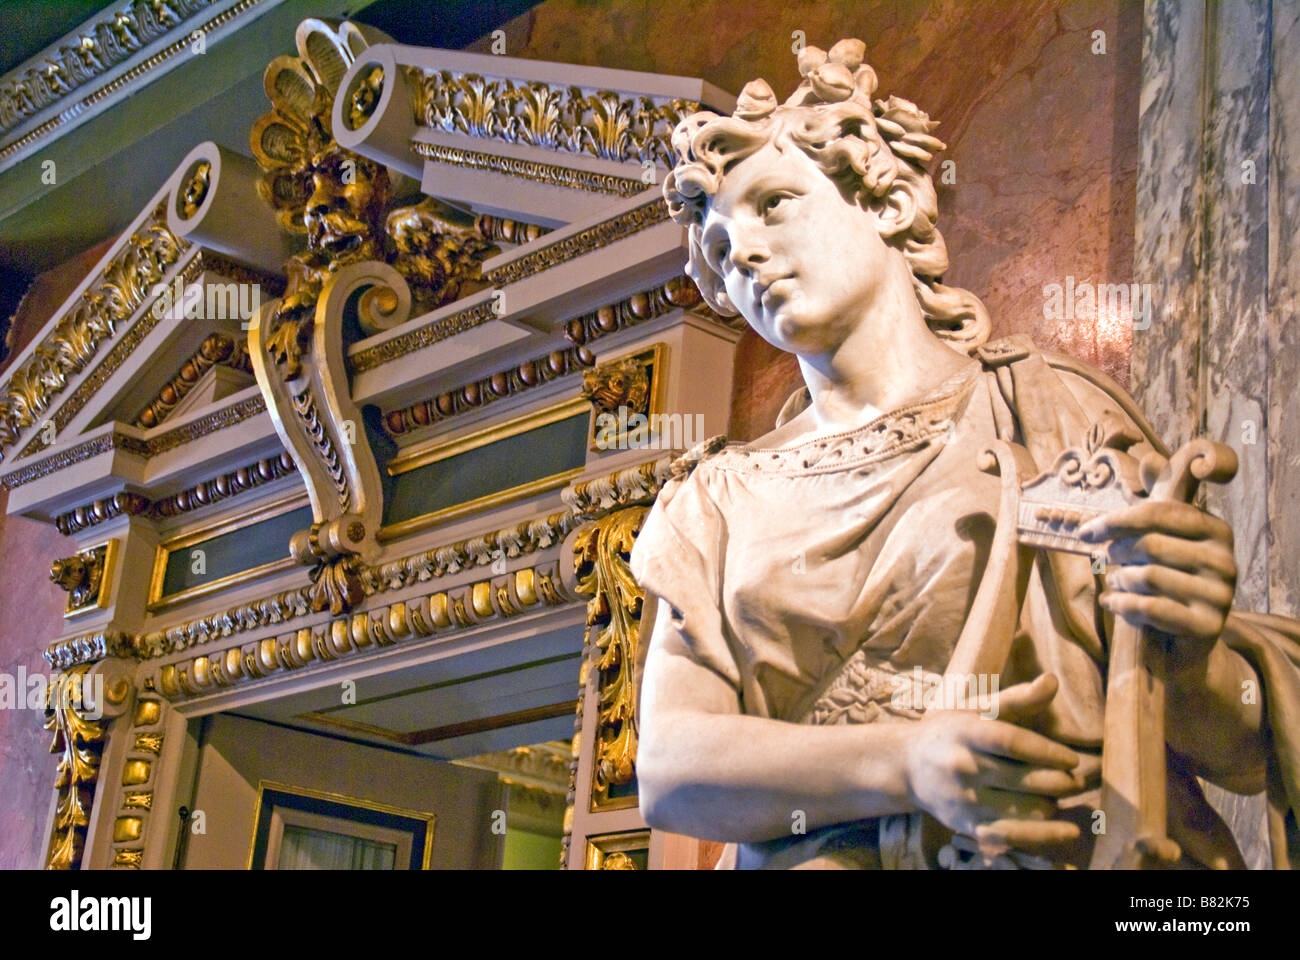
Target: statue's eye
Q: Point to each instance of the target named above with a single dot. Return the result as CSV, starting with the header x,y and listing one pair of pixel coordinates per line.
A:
x,y
772,202
720,252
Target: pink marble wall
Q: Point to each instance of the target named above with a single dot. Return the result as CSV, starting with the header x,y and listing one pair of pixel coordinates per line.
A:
x,y
1043,132
31,614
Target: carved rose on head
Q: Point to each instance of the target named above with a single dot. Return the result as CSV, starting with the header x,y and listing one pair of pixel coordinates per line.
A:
x,y
905,114
908,128
837,75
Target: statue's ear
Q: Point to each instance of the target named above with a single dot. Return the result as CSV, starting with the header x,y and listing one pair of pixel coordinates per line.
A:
x,y
896,210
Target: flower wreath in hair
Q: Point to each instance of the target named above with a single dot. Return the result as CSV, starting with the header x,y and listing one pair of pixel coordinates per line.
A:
x,y
879,149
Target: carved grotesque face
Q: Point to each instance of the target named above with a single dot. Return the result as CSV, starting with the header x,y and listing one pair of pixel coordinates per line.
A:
x,y
799,259
68,573
344,210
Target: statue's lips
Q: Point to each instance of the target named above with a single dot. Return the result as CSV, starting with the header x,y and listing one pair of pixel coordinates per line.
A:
x,y
781,288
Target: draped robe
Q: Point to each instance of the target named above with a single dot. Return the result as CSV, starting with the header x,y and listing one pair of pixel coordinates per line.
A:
x,y
819,579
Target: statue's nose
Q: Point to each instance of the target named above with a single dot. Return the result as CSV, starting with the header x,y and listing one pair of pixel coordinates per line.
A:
x,y
748,255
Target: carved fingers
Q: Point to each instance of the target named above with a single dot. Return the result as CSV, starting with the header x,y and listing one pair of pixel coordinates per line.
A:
x,y
1170,568
1003,775
993,780
1031,835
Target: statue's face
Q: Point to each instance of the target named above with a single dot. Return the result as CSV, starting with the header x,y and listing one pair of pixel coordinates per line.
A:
x,y
799,260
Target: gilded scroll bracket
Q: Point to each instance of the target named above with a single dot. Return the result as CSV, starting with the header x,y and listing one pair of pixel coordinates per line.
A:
x,y
309,399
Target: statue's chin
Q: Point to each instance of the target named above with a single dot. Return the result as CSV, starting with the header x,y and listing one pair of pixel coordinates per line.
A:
x,y
796,333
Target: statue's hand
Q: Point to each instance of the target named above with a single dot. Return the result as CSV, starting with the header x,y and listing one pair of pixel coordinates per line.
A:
x,y
993,780
1169,566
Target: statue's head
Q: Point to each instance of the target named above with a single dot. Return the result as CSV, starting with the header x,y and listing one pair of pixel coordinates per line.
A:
x,y
796,212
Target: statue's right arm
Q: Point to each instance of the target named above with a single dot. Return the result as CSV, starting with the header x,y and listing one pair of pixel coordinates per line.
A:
x,y
706,770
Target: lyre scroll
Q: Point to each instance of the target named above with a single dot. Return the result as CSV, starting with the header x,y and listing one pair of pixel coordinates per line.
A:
x,y
1047,513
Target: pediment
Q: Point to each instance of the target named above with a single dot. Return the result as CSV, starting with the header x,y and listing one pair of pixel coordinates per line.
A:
x,y
558,165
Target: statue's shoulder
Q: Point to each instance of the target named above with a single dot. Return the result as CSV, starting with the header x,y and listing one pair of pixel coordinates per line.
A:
x,y
1090,387
682,469
684,465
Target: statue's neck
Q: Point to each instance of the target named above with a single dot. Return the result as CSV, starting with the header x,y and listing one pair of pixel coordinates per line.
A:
x,y
889,359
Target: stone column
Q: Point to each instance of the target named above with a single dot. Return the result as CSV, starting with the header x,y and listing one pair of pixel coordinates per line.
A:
x,y
1214,240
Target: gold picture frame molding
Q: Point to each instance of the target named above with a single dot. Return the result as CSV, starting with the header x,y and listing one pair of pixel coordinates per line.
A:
x,y
156,601
429,818
600,847
434,450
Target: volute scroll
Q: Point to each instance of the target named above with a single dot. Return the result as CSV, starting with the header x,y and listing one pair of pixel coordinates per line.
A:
x,y
301,368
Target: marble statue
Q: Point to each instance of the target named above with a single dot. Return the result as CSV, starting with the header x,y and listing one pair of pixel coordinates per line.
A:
x,y
932,506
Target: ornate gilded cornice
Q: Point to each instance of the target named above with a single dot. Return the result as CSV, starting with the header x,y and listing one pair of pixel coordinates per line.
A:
x,y
73,455
623,488
101,511
122,287
88,648
186,433
532,170
216,349
277,608
586,501
548,255
503,597
200,495
601,124
96,49
508,542
225,485
424,336
144,324
202,426
116,356
580,331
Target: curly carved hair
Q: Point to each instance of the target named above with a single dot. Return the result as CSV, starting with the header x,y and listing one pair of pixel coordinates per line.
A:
x,y
874,152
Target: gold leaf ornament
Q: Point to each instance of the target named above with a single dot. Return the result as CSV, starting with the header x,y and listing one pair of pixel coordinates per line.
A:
x,y
79,741
601,553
